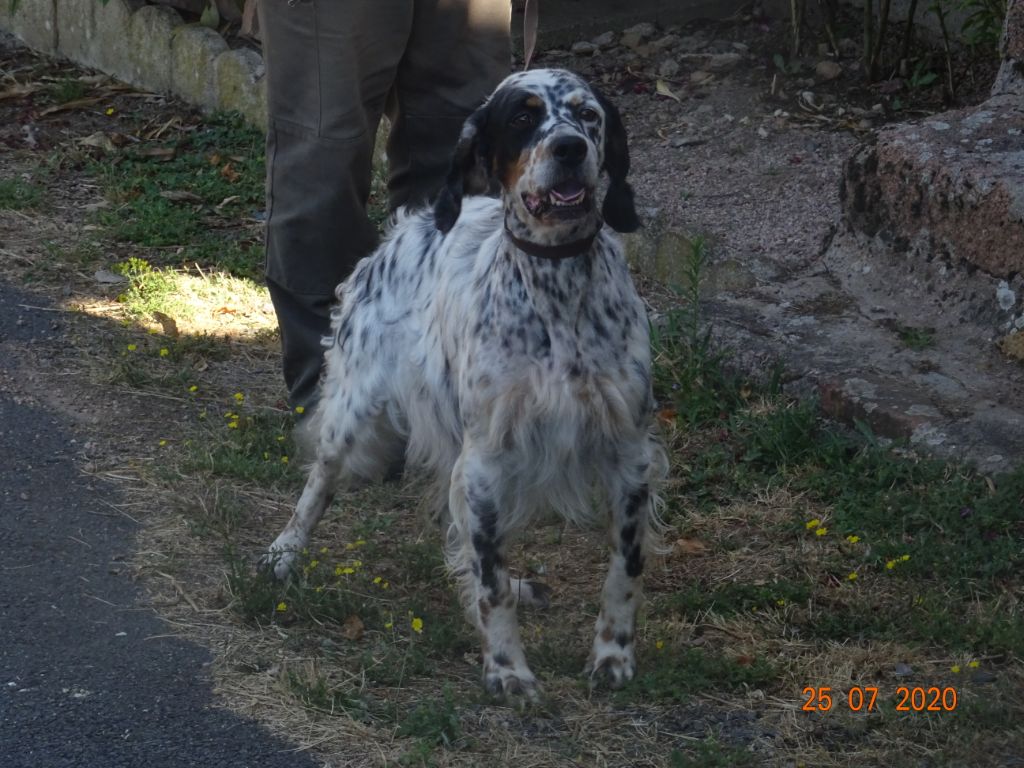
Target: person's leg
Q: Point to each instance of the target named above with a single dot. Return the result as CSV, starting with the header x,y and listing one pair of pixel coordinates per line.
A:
x,y
330,66
458,52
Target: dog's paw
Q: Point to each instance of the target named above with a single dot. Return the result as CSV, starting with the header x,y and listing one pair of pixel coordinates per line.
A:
x,y
514,685
281,557
611,663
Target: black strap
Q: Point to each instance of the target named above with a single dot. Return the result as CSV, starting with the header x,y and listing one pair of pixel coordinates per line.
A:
x,y
553,252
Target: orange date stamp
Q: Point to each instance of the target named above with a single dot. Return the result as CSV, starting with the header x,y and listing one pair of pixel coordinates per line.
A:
x,y
866,699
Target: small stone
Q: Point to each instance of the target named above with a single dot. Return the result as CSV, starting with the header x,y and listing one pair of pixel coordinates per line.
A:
x,y
665,42
723,62
1005,296
691,44
604,40
741,47
848,47
983,676
689,140
645,30
669,68
903,670
828,70
583,48
762,132
630,40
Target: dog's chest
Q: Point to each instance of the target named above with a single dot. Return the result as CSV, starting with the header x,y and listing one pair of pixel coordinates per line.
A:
x,y
558,355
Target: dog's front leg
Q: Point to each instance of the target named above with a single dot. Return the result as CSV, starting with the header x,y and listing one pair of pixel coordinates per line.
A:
x,y
612,655
476,498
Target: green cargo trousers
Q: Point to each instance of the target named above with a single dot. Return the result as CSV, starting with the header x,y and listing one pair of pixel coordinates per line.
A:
x,y
334,67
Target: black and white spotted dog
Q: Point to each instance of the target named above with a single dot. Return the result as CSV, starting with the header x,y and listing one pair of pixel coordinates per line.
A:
x,y
502,345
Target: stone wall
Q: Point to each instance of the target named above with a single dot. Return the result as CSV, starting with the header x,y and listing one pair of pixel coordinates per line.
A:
x,y
147,46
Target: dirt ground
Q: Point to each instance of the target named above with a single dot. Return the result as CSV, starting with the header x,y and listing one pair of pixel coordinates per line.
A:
x,y
738,152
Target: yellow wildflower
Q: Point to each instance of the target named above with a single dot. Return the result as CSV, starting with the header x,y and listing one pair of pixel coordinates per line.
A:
x,y
313,564
417,625
810,524
239,397
973,664
377,580
282,607
821,531
232,425
164,351
132,347
852,576
853,539
955,669
300,409
659,644
780,602
389,625
193,389
110,112
890,564
163,443
904,558
284,459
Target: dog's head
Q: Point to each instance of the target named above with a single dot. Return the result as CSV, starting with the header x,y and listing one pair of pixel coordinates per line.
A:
x,y
545,136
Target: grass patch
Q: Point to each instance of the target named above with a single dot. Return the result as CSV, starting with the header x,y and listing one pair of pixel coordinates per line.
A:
x,y
710,754
676,674
188,194
19,195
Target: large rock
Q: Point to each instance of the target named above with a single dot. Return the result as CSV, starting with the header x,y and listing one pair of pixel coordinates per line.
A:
x,y
241,84
151,31
954,181
34,22
1011,74
113,21
76,30
193,51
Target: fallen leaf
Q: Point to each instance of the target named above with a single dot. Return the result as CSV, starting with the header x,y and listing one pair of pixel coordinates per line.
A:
x,y
352,629
17,91
181,196
691,546
68,105
107,277
661,87
169,325
229,173
744,660
101,140
667,415
158,153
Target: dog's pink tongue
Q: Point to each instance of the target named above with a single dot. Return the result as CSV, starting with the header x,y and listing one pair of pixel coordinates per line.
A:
x,y
567,191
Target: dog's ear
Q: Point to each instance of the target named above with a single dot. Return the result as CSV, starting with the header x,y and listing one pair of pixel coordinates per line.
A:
x,y
618,208
468,173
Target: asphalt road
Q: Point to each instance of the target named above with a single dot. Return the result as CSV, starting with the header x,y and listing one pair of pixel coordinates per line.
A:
x,y
89,677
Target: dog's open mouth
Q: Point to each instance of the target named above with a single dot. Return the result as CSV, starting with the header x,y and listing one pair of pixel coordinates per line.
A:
x,y
565,200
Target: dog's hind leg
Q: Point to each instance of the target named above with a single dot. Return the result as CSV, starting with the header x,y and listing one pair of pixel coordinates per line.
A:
x,y
352,445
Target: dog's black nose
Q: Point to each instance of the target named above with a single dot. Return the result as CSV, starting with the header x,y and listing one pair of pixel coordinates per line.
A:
x,y
569,150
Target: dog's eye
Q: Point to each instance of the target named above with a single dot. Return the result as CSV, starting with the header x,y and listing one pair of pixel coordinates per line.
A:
x,y
523,119
589,115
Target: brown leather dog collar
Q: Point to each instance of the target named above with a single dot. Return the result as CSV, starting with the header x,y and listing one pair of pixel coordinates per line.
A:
x,y
555,252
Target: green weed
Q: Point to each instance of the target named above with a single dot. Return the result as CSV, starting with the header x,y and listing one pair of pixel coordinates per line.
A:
x,y
19,195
